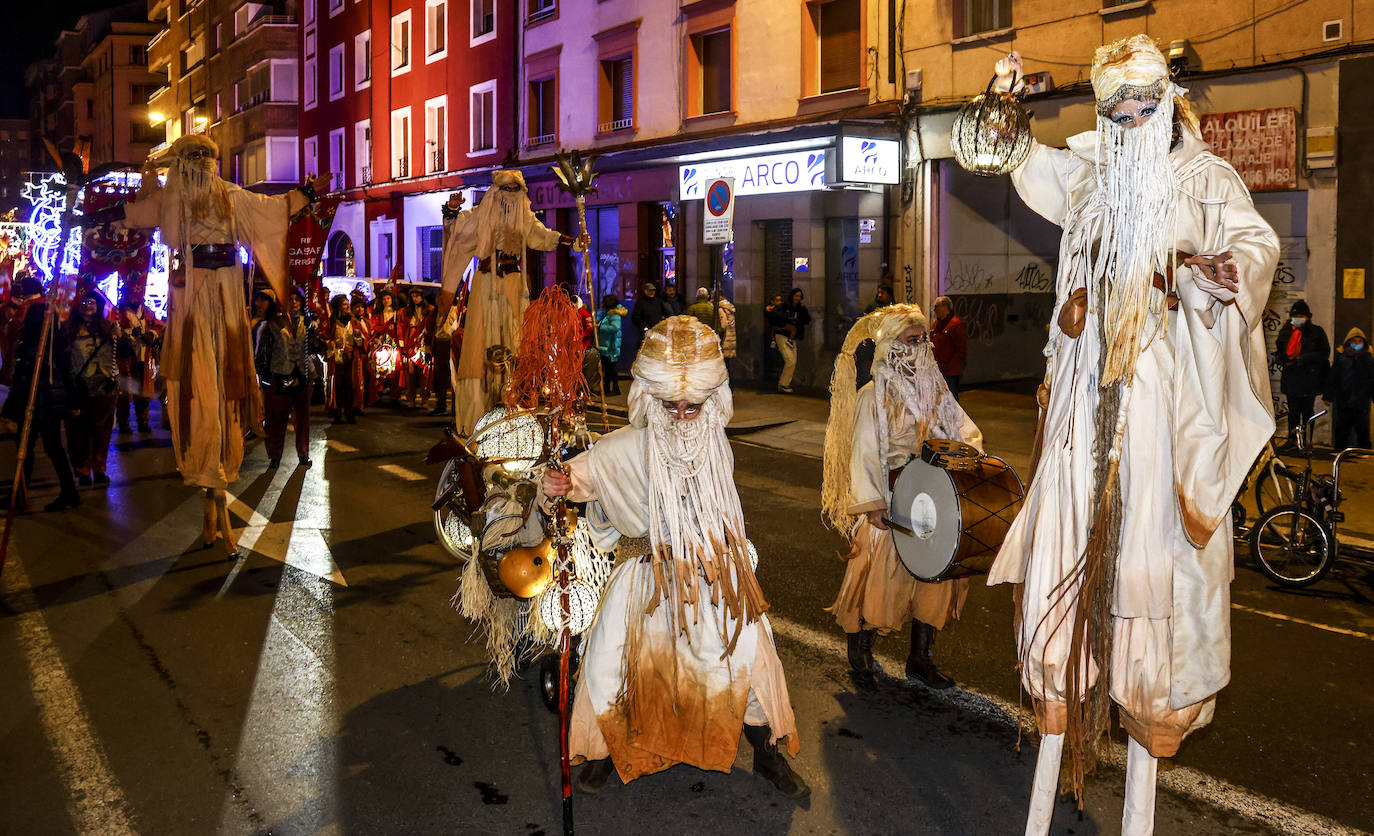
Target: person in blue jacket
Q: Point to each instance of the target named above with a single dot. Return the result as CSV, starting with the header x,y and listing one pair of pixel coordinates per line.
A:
x,y
608,341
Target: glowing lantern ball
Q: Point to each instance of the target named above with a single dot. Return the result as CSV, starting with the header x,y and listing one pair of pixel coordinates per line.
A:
x,y
991,134
582,601
385,357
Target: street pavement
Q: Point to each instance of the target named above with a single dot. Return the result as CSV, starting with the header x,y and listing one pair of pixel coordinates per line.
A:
x,y
324,684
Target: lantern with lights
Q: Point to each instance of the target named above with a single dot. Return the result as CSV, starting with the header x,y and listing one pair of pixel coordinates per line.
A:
x,y
385,356
991,134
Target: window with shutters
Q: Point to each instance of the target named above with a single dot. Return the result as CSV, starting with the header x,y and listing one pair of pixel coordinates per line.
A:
x,y
977,17
431,248
483,21
839,45
543,117
712,51
400,143
616,103
482,118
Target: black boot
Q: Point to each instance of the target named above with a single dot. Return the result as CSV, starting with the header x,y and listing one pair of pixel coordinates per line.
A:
x,y
861,652
919,663
594,776
772,765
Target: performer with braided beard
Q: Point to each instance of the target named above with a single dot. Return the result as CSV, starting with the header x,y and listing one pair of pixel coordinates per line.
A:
x,y
681,655
1158,403
873,432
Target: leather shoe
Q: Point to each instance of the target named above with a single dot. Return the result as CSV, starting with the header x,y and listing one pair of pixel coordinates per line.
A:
x,y
594,775
304,461
273,464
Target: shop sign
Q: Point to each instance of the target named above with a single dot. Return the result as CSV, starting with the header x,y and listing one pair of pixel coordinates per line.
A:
x,y
773,174
864,160
1262,145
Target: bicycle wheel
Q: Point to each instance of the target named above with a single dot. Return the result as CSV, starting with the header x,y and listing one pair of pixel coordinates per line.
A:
x,y
1273,487
452,531
1291,547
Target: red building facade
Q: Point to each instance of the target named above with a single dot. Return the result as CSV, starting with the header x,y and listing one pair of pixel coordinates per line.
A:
x,y
401,103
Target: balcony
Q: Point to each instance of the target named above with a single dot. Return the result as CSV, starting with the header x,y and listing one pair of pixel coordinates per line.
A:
x,y
156,39
402,167
336,181
265,20
365,176
436,160
615,125
540,141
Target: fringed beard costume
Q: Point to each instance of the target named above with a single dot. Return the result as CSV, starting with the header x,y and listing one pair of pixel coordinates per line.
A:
x,y
872,433
1158,403
207,355
497,232
681,654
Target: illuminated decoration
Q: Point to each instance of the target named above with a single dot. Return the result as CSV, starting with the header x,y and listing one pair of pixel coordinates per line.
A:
x,y
155,287
47,200
991,134
385,356
514,437
582,600
800,171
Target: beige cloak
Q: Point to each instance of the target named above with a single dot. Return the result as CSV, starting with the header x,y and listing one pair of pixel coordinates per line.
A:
x,y
1199,414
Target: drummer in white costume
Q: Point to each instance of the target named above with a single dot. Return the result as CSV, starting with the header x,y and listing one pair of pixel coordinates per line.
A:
x,y
872,433
1158,404
681,655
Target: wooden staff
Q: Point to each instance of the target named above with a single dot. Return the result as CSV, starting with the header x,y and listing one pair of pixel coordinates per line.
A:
x,y
576,177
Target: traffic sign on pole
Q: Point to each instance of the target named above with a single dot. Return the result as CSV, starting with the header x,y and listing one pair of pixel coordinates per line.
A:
x,y
719,217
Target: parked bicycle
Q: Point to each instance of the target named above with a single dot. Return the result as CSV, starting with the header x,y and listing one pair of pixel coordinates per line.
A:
x,y
1295,543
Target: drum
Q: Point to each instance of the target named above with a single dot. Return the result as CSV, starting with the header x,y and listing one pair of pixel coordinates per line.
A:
x,y
951,509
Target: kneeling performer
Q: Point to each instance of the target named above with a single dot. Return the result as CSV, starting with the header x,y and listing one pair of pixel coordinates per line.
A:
x,y
873,432
681,654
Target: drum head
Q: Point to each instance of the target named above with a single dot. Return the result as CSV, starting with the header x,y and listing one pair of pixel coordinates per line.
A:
x,y
925,502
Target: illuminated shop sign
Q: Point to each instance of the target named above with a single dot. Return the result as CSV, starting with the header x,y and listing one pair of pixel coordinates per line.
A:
x,y
802,171
864,160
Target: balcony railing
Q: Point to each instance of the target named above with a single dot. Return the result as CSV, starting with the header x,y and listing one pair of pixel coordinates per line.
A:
x,y
542,9
156,39
336,183
436,160
539,141
266,20
365,175
615,125
403,167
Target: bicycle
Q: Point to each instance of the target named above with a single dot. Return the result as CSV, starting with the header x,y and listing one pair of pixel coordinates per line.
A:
x,y
1295,544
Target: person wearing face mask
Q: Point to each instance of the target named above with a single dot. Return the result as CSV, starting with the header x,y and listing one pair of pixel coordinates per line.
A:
x,y
1349,391
872,433
1301,351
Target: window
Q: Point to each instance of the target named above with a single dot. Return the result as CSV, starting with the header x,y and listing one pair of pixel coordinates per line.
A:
x,y
335,6
217,37
483,21
310,44
238,168
436,134
362,60
541,10
255,163
311,84
400,43
138,56
219,112
308,11
978,16
543,125
436,29
430,245
400,143
247,13
336,72
482,114
310,157
192,53
336,160
712,53
838,45
362,153
281,159
616,104
283,79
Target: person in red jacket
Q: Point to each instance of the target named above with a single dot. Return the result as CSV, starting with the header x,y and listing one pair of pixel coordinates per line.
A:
x,y
950,341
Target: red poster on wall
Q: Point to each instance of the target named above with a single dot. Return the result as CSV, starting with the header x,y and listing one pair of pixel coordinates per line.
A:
x,y
1262,145
305,244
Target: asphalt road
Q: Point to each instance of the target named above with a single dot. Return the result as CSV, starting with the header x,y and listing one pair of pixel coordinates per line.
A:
x,y
154,687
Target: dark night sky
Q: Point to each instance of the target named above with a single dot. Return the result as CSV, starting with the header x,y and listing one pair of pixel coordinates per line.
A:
x,y
30,28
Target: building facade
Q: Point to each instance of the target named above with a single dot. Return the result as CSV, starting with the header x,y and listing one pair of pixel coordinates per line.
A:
x,y
1269,92
15,153
232,71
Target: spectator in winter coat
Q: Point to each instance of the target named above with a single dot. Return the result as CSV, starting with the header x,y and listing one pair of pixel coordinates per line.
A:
x,y
1302,352
1349,390
672,303
608,341
702,308
649,309
789,321
950,343
725,311
91,339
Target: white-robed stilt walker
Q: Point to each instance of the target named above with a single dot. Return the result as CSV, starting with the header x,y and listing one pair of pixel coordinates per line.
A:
x,y
680,656
1158,405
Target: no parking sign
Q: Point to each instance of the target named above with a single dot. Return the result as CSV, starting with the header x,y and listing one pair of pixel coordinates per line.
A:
x,y
720,211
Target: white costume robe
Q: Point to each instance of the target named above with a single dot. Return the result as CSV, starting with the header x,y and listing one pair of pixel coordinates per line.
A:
x,y
648,695
1199,413
877,591
496,305
207,354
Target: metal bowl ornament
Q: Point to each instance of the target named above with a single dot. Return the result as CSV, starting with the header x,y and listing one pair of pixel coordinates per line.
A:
x,y
991,134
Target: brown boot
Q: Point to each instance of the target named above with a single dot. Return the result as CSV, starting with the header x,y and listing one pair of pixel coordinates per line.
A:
x,y
918,662
771,765
594,775
861,652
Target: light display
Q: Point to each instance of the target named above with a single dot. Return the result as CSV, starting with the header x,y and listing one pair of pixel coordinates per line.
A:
x,y
385,356
503,435
48,200
991,134
582,600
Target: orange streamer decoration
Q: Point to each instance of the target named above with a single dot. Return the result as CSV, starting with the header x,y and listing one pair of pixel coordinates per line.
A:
x,y
548,364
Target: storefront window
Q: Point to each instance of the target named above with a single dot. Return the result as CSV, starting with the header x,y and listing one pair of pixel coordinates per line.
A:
x,y
667,248
603,225
841,278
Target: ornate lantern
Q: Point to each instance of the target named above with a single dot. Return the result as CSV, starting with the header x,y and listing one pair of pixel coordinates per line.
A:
x,y
991,134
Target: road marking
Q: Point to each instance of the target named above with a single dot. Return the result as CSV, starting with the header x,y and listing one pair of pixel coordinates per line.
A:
x,y
1181,780
403,472
339,447
1327,627
97,803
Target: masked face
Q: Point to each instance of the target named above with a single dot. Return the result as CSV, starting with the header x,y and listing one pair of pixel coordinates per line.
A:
x,y
1298,321
682,410
1356,345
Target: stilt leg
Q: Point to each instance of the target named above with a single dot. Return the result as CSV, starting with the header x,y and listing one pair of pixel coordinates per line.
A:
x,y
226,528
1046,787
211,522
1138,817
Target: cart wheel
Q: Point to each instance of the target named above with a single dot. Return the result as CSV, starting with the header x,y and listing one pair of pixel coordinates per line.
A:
x,y
1273,487
453,533
1237,516
1291,547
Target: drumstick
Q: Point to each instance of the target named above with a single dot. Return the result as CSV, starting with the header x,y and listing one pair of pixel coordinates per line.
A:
x,y
899,527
